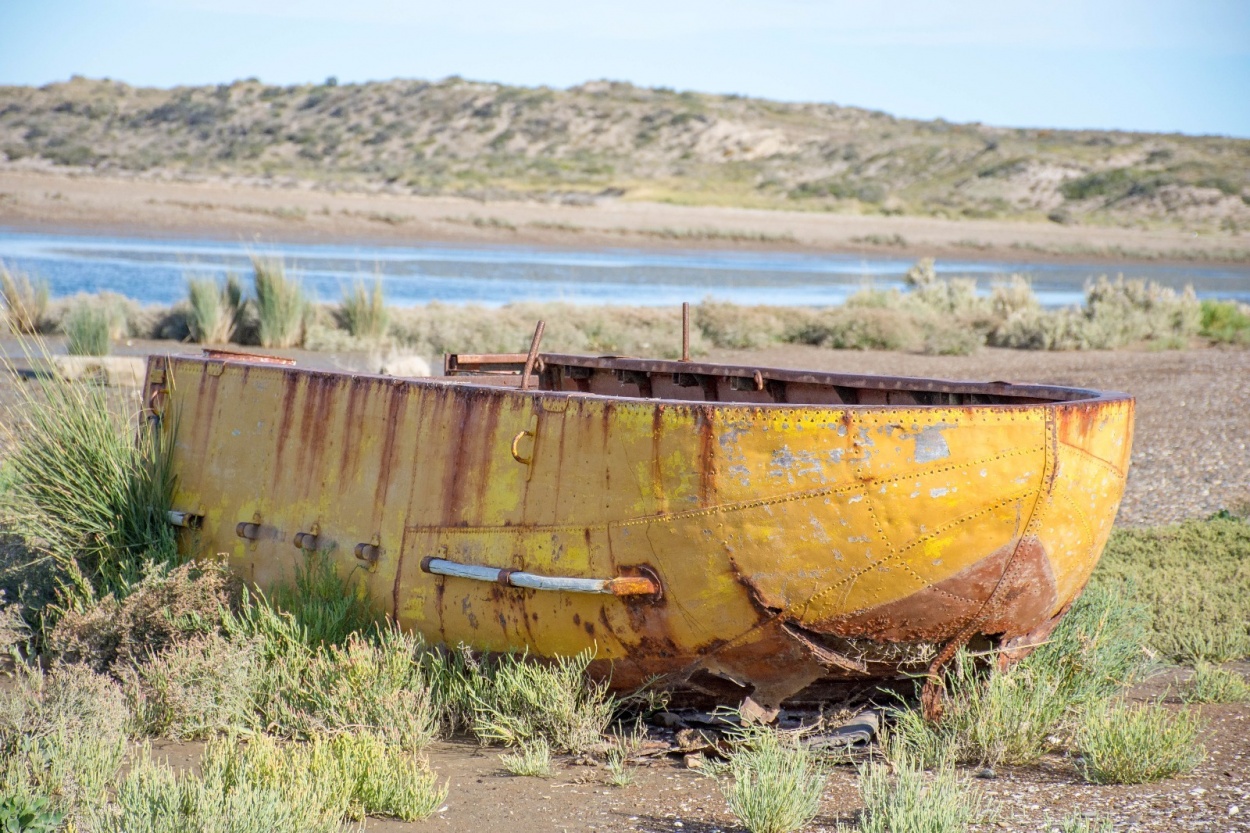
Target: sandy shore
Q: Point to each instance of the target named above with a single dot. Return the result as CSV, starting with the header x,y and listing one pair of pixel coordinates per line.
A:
x,y
52,201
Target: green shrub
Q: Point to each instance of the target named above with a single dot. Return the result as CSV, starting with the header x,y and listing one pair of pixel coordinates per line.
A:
x,y
166,608
84,489
861,329
513,699
25,301
900,797
1137,744
1211,684
532,758
989,719
216,309
264,786
772,783
1193,578
280,304
87,330
197,688
363,313
372,685
1226,322
62,735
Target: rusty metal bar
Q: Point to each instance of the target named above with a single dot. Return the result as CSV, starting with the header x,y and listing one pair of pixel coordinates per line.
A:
x,y
618,586
685,331
240,356
482,364
532,356
187,520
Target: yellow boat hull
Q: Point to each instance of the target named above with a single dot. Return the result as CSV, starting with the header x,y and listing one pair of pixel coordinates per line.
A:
x,y
787,543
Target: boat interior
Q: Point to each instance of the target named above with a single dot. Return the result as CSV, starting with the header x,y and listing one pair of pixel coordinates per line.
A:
x,y
681,380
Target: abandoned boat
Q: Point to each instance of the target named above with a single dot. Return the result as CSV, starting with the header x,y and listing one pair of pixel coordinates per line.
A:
x,y
727,531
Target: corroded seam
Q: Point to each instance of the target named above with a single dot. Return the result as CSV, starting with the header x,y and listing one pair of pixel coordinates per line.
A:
x,y
948,525
726,508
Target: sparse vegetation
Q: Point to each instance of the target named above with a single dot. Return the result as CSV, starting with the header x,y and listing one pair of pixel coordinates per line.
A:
x,y
1212,684
1135,744
1011,717
487,140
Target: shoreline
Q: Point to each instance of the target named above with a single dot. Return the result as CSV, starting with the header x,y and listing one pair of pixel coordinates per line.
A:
x,y
59,203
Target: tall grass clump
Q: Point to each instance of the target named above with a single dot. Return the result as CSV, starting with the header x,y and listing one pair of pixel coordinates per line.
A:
x,y
25,301
363,312
216,309
280,304
84,489
901,797
88,330
772,782
1135,744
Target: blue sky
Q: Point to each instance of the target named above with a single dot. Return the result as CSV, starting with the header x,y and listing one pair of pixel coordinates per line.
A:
x,y
1140,64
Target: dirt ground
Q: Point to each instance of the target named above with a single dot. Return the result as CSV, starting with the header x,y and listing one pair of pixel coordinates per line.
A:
x,y
43,201
1190,459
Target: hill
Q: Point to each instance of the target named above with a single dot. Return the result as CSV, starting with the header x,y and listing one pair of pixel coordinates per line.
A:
x,y
608,139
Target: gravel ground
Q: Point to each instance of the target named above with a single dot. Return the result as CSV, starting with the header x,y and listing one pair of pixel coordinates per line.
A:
x,y
1191,450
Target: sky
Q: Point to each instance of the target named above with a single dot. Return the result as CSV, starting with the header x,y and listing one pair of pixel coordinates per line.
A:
x,y
1156,65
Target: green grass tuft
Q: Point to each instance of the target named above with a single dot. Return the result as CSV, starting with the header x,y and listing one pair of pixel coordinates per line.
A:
x,y
532,758
1136,744
216,309
87,330
280,304
901,797
772,783
363,312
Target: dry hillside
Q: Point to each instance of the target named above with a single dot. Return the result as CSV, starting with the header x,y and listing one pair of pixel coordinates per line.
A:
x,y
606,139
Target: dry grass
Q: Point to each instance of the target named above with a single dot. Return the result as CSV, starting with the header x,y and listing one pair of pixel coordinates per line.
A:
x,y
25,301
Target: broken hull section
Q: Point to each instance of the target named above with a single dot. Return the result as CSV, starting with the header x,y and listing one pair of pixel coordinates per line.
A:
x,y
772,548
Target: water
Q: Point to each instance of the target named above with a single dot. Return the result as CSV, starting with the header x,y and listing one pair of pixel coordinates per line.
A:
x,y
155,271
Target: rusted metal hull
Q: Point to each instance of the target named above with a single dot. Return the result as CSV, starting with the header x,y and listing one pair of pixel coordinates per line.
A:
x,y
787,544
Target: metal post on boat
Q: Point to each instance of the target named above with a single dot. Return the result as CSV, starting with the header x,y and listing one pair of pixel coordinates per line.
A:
x,y
685,331
532,355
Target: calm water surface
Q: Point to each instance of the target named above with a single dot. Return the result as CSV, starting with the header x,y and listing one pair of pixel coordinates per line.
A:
x,y
155,271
